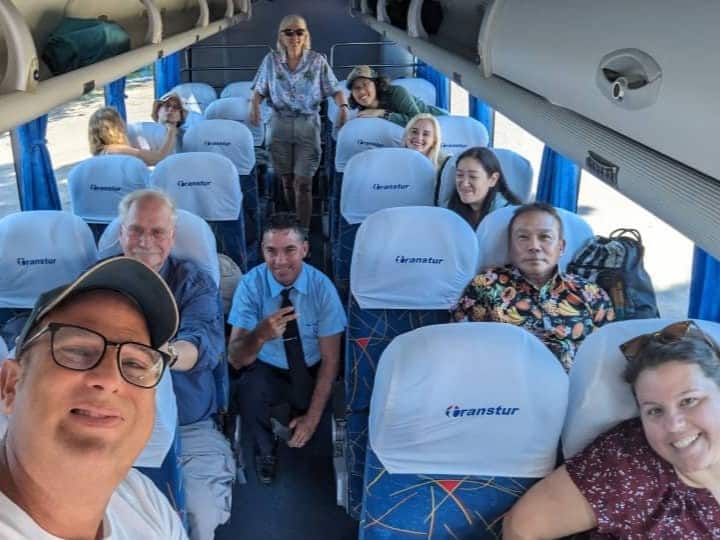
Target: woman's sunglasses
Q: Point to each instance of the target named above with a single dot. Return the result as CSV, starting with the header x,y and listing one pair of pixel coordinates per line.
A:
x,y
633,348
289,32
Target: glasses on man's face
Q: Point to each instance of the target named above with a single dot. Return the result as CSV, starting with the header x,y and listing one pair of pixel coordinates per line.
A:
x,y
82,349
289,32
134,232
634,347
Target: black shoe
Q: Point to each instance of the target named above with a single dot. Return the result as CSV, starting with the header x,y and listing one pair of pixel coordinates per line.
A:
x,y
265,468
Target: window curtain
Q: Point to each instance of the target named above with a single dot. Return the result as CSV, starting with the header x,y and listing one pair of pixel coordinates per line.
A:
x,y
167,74
115,97
559,181
36,184
704,287
440,81
481,111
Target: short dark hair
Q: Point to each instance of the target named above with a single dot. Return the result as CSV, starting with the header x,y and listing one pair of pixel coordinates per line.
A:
x,y
696,347
537,207
282,221
382,84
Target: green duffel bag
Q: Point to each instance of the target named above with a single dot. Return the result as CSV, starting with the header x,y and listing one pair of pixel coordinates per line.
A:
x,y
80,42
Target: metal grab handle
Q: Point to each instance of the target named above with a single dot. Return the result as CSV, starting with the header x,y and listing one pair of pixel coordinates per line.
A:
x,y
21,72
153,36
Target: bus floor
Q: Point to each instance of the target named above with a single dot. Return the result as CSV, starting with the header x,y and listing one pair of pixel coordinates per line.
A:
x,y
298,505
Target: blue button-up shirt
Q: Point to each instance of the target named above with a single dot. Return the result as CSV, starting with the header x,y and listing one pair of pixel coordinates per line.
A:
x,y
295,92
201,323
316,301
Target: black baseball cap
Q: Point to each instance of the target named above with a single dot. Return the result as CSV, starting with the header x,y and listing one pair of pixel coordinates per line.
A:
x,y
126,276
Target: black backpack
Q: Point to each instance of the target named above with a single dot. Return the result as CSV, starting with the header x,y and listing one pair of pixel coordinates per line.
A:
x,y
616,264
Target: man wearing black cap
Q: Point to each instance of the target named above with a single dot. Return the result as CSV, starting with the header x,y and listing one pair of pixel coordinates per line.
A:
x,y
81,401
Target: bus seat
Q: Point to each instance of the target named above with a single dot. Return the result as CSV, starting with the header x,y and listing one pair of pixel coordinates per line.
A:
x,y
518,173
516,169
492,237
241,89
238,109
460,132
373,180
599,398
146,135
461,425
234,141
97,185
420,88
332,108
409,265
206,184
196,96
41,250
357,136
194,240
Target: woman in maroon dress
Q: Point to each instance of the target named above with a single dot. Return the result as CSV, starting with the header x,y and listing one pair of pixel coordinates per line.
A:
x,y
656,477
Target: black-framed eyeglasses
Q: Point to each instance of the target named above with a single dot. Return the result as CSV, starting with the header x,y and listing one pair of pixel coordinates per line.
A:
x,y
81,349
633,348
289,32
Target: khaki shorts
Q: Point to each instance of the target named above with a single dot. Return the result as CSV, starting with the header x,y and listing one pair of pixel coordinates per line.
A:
x,y
295,144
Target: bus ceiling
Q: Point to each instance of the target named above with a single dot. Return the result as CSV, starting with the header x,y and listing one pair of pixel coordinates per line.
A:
x,y
607,84
156,28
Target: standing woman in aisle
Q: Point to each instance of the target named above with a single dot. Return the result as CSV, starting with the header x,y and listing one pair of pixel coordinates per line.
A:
x,y
295,80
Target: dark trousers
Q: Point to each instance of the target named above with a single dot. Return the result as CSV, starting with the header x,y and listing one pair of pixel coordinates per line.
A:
x,y
259,388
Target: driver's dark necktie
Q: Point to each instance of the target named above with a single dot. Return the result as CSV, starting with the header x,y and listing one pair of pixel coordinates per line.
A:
x,y
301,381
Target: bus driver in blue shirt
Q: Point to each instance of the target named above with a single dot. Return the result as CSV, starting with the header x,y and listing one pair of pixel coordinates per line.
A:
x,y
274,304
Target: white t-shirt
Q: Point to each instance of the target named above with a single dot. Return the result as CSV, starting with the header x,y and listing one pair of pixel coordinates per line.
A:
x,y
136,510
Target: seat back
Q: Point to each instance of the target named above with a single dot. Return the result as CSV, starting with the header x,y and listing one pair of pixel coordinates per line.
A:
x,y
97,185
146,135
420,88
461,423
364,134
196,96
492,235
516,169
237,109
409,265
41,250
332,108
194,240
206,184
599,399
460,132
373,180
241,89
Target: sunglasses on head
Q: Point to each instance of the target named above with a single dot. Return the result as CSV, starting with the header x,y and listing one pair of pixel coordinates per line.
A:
x,y
289,32
634,347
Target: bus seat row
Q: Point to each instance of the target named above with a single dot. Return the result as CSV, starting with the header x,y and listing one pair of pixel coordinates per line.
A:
x,y
440,464
409,265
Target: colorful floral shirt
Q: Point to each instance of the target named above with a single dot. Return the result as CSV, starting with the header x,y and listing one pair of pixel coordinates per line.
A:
x,y
295,92
561,313
637,495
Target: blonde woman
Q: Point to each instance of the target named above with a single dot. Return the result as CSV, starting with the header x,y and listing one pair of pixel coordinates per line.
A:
x,y
423,134
107,134
295,80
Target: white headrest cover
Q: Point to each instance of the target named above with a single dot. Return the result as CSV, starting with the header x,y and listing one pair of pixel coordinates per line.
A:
x,y
468,399
196,96
492,234
460,132
163,431
194,240
98,184
599,398
332,108
225,137
447,181
518,172
384,178
364,134
146,135
203,183
3,351
241,89
238,109
420,88
416,257
41,250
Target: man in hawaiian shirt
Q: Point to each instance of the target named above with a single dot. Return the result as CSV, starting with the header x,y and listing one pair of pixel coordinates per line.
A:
x,y
560,309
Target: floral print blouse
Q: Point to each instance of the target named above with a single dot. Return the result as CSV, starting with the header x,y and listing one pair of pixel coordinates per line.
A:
x,y
636,494
561,313
295,92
